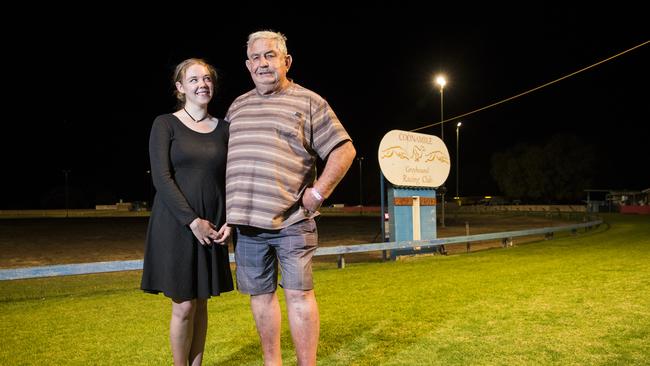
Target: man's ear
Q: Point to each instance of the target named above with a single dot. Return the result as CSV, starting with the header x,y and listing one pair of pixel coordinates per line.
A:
x,y
249,66
287,61
179,87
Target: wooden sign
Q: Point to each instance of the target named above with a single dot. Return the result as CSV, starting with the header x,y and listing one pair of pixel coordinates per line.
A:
x,y
414,159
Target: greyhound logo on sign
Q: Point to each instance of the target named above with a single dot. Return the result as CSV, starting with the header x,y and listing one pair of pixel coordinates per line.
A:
x,y
414,159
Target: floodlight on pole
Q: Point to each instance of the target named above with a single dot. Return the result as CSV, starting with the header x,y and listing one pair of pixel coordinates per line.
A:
x,y
441,81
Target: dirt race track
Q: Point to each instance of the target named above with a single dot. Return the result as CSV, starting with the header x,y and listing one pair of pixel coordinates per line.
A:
x,y
39,242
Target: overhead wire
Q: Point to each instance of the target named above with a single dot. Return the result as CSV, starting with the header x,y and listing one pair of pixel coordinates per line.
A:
x,y
531,90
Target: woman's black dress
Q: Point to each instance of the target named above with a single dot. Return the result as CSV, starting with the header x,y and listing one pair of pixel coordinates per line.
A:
x,y
188,171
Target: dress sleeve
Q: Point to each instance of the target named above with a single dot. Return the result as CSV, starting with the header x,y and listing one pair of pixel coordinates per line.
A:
x,y
161,173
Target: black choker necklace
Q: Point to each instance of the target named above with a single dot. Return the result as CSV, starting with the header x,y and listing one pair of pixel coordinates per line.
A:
x,y
194,119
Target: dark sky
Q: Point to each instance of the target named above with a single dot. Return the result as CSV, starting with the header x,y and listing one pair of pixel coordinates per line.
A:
x,y
86,90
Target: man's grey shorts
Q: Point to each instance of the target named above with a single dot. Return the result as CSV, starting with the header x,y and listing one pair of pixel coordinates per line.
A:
x,y
258,251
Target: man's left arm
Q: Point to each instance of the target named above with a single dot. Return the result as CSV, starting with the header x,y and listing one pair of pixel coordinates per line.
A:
x,y
338,162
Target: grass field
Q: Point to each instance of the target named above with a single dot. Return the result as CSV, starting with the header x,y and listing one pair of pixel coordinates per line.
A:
x,y
579,300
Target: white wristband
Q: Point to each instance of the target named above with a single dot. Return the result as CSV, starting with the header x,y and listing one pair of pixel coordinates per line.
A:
x,y
316,194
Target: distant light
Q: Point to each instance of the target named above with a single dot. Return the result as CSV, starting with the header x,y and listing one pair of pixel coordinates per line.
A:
x,y
487,197
459,124
440,80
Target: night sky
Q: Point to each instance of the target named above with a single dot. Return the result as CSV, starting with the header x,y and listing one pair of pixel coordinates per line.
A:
x,y
85,91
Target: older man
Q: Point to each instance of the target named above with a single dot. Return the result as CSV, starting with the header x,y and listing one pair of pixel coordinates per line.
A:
x,y
277,131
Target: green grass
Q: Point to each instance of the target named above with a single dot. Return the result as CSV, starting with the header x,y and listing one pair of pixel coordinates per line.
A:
x,y
579,300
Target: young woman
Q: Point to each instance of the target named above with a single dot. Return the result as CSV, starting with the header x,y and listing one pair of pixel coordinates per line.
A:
x,y
185,254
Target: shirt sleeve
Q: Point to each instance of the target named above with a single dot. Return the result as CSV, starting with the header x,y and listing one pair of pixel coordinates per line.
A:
x,y
328,132
161,173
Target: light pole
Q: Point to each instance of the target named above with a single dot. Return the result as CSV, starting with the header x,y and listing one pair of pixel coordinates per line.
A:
x,y
457,157
147,184
66,191
360,159
441,81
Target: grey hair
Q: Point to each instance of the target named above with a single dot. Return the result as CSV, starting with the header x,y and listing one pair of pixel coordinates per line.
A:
x,y
279,38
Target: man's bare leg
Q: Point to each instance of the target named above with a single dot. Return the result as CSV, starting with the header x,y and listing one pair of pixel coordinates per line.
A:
x,y
304,323
266,311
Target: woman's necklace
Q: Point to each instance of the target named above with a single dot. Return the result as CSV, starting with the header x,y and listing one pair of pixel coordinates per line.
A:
x,y
194,119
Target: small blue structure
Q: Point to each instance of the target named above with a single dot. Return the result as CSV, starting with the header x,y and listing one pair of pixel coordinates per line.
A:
x,y
412,216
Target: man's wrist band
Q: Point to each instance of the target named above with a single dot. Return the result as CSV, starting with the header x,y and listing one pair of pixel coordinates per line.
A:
x,y
317,194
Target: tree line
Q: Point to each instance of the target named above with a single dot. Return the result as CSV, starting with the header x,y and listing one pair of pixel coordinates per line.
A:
x,y
557,171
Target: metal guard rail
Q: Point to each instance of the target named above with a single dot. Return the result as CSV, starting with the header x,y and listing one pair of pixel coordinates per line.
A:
x,y
115,266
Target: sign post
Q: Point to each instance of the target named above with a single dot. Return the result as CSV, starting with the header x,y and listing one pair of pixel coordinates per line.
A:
x,y
415,164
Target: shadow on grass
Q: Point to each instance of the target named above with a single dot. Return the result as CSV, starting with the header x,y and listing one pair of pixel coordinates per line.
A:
x,y
363,343
250,353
